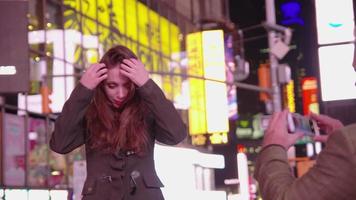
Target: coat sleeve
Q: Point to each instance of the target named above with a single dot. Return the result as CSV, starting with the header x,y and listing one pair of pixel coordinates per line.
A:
x,y
69,131
168,127
332,177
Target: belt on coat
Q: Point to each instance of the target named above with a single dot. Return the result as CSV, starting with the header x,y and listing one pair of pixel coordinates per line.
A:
x,y
133,178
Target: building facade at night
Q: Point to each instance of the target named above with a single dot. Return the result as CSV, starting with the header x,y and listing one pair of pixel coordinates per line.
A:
x,y
65,37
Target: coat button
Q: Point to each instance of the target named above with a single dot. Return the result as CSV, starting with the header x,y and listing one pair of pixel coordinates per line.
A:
x,y
90,189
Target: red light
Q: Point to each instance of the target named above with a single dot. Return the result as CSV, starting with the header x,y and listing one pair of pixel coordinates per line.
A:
x,y
241,148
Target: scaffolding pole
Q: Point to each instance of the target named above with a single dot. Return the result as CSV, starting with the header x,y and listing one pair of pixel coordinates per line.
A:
x,y
276,93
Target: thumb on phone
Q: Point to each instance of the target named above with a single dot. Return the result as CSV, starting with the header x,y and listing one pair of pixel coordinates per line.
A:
x,y
321,138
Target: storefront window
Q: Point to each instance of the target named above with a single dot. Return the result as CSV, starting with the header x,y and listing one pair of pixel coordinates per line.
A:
x,y
14,150
37,158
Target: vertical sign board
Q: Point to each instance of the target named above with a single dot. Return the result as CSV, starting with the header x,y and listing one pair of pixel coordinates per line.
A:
x,y
197,111
215,88
335,29
290,98
230,71
334,21
208,112
310,95
14,54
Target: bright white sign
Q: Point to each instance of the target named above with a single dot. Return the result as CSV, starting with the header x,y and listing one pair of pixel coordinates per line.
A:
x,y
337,76
7,70
335,21
216,92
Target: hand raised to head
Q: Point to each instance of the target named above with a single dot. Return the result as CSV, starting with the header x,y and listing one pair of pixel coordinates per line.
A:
x,y
94,75
135,71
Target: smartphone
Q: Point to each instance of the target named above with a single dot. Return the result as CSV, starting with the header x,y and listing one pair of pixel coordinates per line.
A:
x,y
300,123
295,123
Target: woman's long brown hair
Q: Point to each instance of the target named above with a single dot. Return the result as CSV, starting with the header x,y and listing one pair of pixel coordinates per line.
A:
x,y
115,129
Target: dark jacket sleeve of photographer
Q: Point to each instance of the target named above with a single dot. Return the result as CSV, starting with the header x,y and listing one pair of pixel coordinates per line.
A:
x,y
169,127
332,177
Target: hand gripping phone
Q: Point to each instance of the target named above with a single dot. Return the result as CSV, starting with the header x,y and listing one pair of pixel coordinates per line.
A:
x,y
296,123
299,123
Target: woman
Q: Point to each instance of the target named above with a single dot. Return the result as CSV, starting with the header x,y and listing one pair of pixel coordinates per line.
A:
x,y
118,112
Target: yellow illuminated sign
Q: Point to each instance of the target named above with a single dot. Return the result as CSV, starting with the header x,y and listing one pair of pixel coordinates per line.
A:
x,y
199,140
197,112
218,138
139,24
208,112
290,96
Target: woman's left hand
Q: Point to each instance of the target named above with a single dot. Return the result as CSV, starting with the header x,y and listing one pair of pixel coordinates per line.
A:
x,y
135,71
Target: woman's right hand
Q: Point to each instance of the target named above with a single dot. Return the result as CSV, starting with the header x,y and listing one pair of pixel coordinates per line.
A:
x,y
94,75
327,124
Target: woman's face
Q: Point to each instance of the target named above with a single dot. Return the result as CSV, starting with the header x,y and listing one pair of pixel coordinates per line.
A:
x,y
117,86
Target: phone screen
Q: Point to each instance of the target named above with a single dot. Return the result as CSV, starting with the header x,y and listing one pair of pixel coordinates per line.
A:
x,y
303,124
296,123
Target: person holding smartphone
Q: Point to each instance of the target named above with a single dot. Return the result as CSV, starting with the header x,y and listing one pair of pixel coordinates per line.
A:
x,y
118,112
332,177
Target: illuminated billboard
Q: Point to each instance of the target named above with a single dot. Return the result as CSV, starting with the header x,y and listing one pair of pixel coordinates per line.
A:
x,y
152,37
310,95
335,27
337,76
208,112
197,110
289,96
334,20
215,86
90,28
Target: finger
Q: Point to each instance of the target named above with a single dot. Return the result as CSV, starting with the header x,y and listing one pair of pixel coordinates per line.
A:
x,y
320,118
281,116
320,138
322,126
274,118
315,117
282,120
126,68
93,68
102,71
297,135
129,62
96,67
90,68
284,115
125,73
313,114
134,61
328,122
103,77
100,66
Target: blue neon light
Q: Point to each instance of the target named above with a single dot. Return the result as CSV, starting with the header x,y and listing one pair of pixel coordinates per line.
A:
x,y
291,11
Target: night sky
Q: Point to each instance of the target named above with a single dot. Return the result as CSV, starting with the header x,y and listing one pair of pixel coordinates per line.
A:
x,y
247,13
